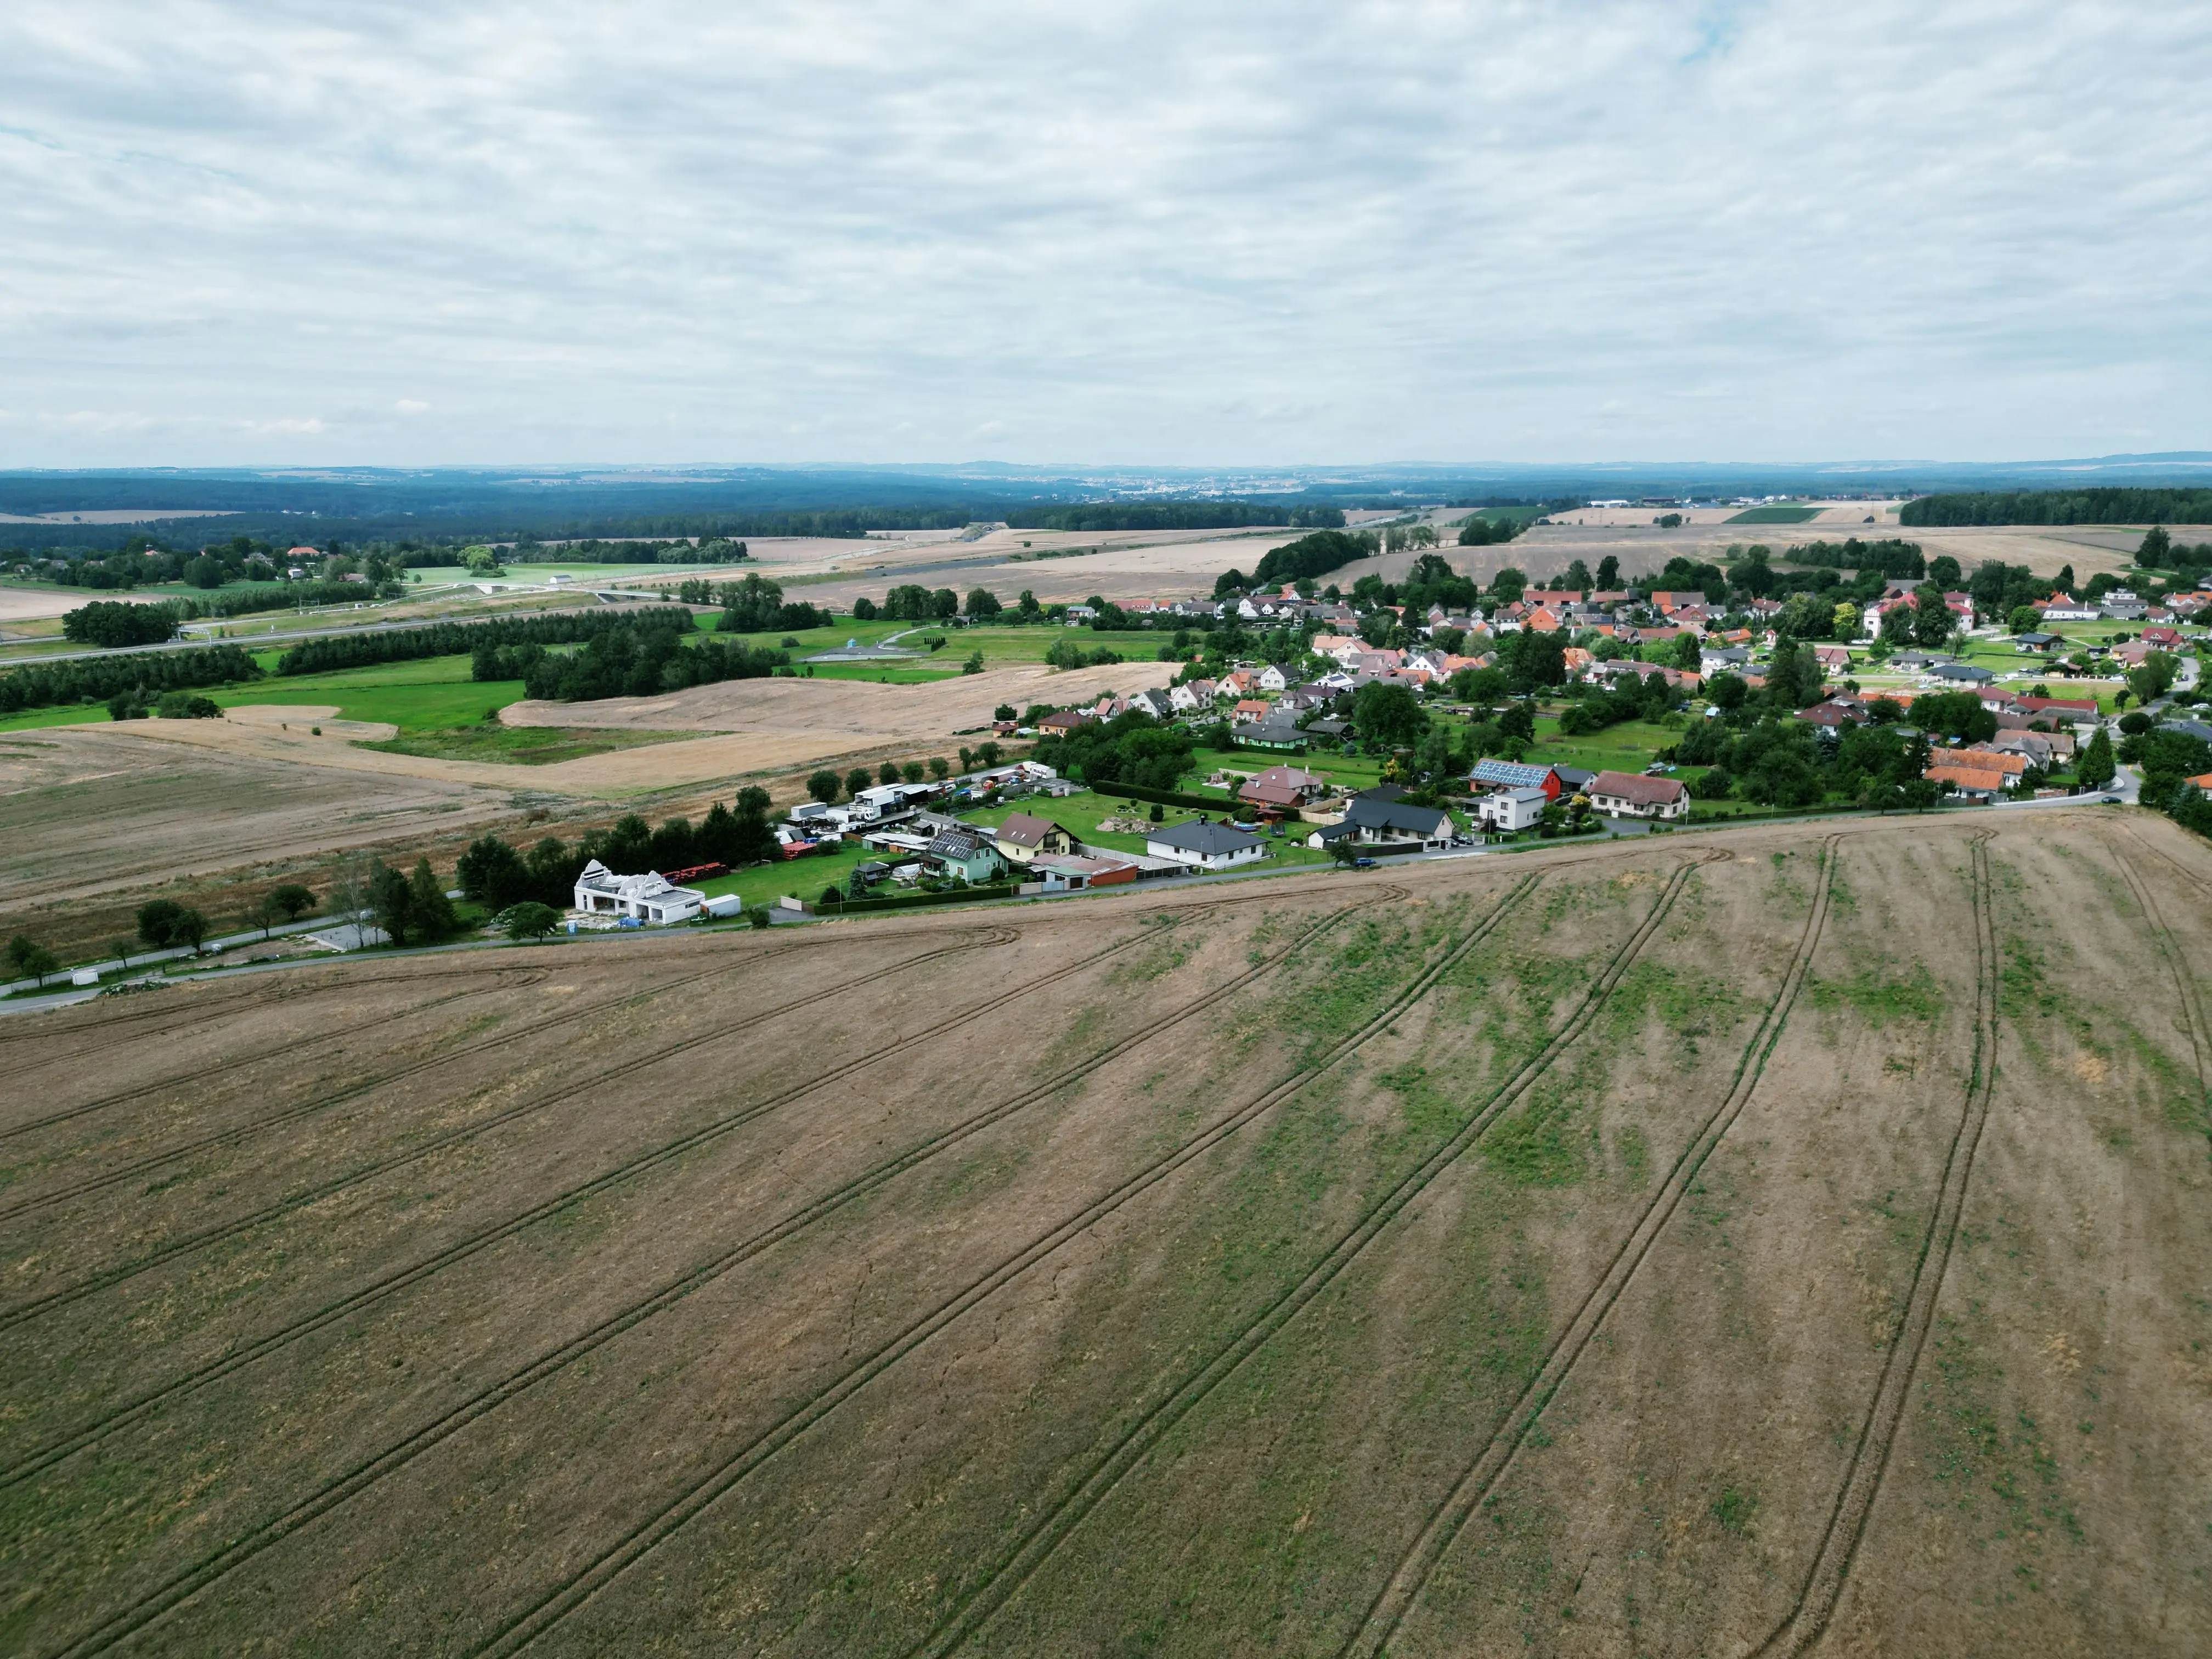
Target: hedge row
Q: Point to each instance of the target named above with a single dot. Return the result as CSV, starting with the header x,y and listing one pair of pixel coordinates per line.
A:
x,y
360,650
97,679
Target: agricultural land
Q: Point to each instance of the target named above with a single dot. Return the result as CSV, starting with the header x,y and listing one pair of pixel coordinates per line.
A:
x,y
1782,1239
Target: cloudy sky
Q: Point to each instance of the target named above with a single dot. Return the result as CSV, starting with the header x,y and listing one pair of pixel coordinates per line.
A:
x,y
1148,233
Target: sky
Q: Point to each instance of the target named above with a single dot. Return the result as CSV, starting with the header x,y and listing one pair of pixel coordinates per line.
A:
x,y
1229,235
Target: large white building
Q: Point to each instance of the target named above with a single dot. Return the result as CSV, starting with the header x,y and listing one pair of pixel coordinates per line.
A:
x,y
650,897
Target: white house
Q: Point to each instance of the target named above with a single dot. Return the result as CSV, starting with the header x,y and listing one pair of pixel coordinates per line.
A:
x,y
1274,678
650,897
1512,809
1630,794
1204,846
1158,704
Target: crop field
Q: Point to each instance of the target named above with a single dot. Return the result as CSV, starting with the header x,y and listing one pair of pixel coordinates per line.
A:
x,y
1773,1241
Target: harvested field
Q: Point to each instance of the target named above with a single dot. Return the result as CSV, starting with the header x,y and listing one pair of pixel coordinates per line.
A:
x,y
90,809
853,713
1789,1240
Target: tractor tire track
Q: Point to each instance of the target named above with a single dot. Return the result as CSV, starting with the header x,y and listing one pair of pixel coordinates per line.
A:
x,y
1055,1522
219,1563
23,1311
272,1341
1816,1605
292,1113
563,1598
2184,983
1495,1456
512,979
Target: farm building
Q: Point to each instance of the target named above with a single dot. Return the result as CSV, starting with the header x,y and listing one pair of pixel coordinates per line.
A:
x,y
650,897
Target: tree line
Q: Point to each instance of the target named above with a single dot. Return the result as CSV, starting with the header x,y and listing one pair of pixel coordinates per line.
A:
x,y
1088,516
363,649
633,661
2103,505
98,679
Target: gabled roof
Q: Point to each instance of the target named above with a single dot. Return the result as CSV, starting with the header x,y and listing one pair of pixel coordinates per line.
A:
x,y
1635,788
1422,820
1207,840
1021,829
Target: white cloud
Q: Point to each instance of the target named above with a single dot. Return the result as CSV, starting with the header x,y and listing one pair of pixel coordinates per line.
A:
x,y
1144,233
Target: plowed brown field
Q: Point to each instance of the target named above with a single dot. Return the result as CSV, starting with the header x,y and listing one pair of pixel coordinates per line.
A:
x,y
1783,1240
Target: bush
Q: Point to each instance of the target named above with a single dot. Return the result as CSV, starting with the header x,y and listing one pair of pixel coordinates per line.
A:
x,y
185,706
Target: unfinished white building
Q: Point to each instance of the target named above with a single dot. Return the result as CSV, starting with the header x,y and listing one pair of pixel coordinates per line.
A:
x,y
650,897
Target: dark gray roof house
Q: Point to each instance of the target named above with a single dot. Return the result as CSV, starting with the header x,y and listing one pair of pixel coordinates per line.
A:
x,y
1378,818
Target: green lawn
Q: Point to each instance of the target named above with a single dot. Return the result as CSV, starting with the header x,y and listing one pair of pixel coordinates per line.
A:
x,y
430,694
1627,747
803,878
73,714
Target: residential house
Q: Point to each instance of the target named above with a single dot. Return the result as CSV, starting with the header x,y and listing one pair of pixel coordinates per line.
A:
x,y
1204,845
1275,677
1835,714
2162,639
1964,675
1510,810
1544,619
2048,750
972,854
1191,695
1158,704
2204,782
2074,710
1976,758
1632,795
1252,709
1391,823
1060,724
1723,660
1021,837
1237,682
1277,730
2065,607
1284,785
1516,774
1974,783
650,897
1832,659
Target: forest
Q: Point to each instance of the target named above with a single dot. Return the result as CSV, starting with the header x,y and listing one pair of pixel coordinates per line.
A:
x,y
2094,506
1087,516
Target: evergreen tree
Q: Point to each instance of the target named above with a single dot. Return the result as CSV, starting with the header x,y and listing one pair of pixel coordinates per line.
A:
x,y
2095,768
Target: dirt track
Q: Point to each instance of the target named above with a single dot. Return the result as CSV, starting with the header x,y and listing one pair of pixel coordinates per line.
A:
x,y
1631,1247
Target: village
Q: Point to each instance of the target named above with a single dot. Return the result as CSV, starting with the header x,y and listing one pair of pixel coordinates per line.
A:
x,y
1380,729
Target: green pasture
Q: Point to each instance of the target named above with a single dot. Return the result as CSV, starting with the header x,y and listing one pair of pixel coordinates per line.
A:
x,y
429,693
1775,515
802,877
1627,747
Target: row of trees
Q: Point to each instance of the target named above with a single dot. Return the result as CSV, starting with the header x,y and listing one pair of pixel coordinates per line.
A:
x,y
362,649
2109,505
637,661
1091,516
827,788
145,677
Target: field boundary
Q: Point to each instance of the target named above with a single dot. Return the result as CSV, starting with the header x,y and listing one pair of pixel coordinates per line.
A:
x,y
564,1598
1054,1524
1815,1604
1495,1456
209,1568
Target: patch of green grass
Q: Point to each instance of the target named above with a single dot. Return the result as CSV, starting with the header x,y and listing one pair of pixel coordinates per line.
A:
x,y
1775,515
802,877
75,713
1879,998
522,745
1733,1510
432,694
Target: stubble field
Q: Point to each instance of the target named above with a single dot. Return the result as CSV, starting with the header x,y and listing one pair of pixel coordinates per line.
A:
x,y
1778,1242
